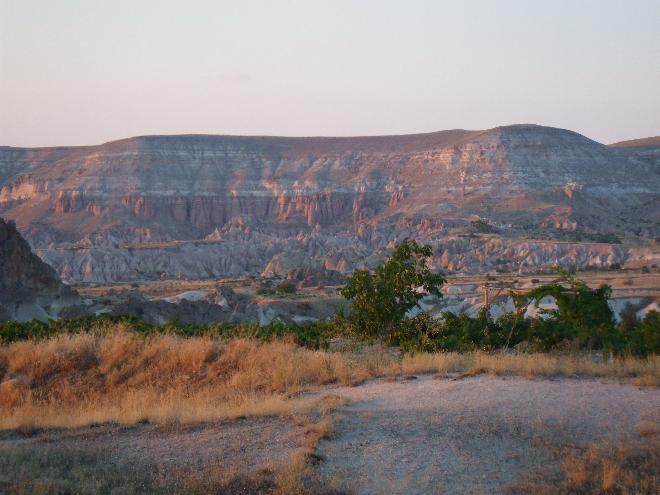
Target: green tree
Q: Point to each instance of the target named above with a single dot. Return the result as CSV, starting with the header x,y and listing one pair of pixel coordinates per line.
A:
x,y
582,311
382,298
644,338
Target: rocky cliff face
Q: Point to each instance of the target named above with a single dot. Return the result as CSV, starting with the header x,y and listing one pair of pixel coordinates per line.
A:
x,y
29,288
213,206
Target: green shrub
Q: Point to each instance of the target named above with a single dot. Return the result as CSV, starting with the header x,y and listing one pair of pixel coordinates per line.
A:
x,y
285,287
310,334
642,338
11,331
482,227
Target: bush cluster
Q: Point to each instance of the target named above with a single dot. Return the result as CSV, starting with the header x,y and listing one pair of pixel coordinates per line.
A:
x,y
286,287
463,333
310,334
482,227
421,333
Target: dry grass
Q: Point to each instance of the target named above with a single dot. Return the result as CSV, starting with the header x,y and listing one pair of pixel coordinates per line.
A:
x,y
117,376
84,379
625,468
46,471
648,380
297,477
645,371
50,466
649,429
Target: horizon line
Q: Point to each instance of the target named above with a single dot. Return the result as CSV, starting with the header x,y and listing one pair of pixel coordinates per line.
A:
x,y
320,137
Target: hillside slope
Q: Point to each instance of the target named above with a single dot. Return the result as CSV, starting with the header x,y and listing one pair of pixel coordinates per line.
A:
x,y
212,206
646,147
649,142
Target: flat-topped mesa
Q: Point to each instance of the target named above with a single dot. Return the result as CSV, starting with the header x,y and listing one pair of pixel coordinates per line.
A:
x,y
524,178
29,288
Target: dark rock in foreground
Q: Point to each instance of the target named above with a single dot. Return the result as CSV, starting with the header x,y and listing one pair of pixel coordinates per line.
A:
x,y
29,288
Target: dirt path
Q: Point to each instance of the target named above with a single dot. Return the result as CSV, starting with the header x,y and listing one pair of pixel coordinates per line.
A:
x,y
474,435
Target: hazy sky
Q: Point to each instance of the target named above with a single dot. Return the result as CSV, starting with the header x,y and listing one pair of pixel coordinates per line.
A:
x,y
90,71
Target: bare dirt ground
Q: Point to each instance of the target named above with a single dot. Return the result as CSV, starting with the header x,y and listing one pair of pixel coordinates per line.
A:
x,y
256,442
474,435
145,453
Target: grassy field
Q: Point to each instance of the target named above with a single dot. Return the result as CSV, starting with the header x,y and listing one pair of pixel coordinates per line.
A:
x,y
114,375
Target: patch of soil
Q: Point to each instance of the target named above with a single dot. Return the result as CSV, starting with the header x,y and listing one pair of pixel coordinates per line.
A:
x,y
475,435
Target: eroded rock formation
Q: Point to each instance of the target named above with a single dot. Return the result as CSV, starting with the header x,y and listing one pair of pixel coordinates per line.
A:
x,y
216,206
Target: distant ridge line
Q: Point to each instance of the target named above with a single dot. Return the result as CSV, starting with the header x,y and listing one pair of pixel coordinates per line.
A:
x,y
447,137
648,142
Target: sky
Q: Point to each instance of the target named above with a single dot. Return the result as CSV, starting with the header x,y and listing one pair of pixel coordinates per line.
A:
x,y
77,72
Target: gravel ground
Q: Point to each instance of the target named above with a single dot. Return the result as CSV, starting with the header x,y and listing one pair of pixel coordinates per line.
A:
x,y
475,435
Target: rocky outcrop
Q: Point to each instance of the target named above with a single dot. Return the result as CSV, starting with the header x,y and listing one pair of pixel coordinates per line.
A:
x,y
217,206
29,288
158,312
315,278
222,305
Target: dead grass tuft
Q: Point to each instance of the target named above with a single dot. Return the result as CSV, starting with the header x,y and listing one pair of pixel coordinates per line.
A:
x,y
647,381
648,429
297,477
625,468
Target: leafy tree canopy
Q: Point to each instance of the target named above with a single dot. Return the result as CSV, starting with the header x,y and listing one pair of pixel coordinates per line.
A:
x,y
382,298
582,309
